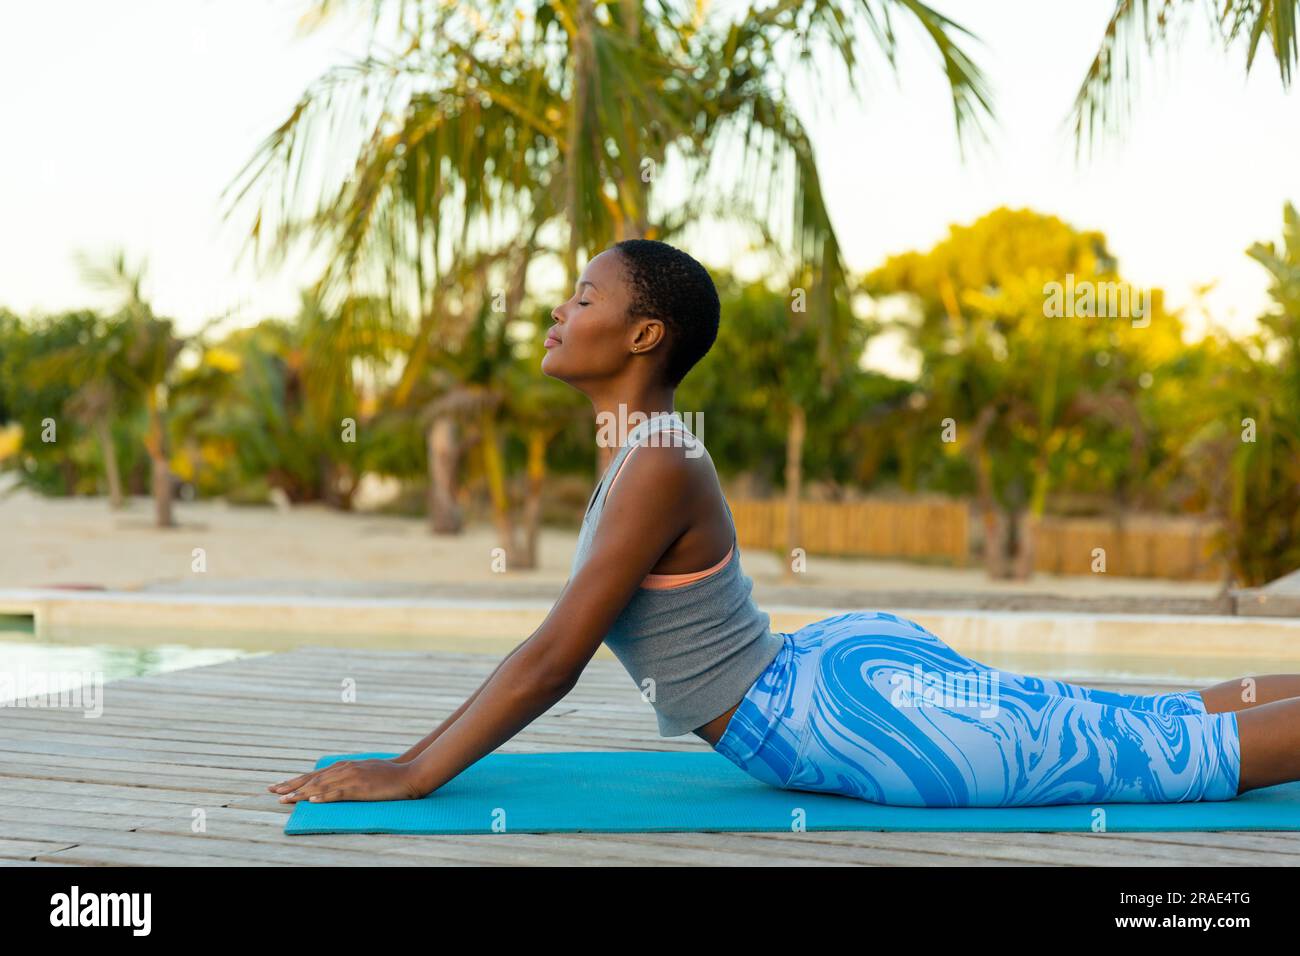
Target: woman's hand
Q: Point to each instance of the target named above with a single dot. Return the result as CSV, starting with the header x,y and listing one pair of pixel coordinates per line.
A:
x,y
353,780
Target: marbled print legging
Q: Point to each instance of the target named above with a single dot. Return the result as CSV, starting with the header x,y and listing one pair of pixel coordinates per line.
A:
x,y
874,706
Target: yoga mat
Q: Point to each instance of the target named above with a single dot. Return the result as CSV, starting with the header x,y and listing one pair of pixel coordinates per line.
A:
x,y
640,792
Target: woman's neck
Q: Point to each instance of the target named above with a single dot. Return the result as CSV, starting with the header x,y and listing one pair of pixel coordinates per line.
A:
x,y
616,416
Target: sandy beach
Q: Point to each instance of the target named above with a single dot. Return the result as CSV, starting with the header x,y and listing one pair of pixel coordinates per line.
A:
x,y
47,542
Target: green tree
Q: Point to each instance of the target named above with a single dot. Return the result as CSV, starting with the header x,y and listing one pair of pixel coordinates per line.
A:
x,y
39,386
1020,375
145,349
283,401
1251,424
94,368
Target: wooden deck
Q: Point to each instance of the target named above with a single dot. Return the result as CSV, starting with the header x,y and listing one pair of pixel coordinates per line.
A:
x,y
124,788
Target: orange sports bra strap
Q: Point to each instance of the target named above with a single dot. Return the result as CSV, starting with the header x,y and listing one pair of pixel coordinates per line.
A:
x,y
660,581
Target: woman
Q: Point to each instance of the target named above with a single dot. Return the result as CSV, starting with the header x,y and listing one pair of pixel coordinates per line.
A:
x,y
861,704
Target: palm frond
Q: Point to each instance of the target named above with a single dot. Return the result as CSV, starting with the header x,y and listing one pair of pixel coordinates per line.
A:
x,y
1137,29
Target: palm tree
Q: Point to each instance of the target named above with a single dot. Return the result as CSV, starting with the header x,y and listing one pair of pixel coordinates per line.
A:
x,y
95,404
95,372
1138,28
53,365
493,122
151,349
483,382
143,359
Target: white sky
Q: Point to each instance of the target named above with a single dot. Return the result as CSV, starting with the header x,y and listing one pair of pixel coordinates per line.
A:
x,y
123,121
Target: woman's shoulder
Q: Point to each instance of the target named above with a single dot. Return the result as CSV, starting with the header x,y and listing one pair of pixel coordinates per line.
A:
x,y
667,448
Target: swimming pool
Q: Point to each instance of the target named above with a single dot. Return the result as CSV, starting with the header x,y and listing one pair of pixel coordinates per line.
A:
x,y
76,659
1165,650
131,634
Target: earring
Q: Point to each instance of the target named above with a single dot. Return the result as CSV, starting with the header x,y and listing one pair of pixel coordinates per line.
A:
x,y
635,347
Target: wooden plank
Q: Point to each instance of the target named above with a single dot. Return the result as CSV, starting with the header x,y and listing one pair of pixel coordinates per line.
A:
x,y
28,849
124,856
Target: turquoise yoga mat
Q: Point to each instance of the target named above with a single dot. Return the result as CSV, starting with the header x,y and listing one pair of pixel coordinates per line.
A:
x,y
640,792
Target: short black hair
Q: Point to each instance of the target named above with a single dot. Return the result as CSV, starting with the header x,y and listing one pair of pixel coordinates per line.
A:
x,y
669,285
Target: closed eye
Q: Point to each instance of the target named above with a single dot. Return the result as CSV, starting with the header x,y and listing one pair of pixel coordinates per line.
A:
x,y
583,303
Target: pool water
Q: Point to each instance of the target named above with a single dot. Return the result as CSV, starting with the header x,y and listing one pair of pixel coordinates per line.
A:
x,y
23,654
110,653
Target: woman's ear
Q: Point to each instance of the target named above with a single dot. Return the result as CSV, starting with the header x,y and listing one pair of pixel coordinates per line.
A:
x,y
648,336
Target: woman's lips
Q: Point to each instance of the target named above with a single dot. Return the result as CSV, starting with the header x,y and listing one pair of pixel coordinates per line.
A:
x,y
551,341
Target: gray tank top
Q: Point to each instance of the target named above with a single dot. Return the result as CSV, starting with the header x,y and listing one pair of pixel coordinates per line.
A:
x,y
693,650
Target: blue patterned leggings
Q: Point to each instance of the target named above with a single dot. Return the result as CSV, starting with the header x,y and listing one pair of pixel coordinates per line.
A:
x,y
874,706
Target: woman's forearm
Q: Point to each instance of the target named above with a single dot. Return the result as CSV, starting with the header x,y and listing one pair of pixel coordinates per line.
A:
x,y
416,749
508,702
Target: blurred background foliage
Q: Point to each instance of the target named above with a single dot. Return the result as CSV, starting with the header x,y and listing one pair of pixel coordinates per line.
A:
x,y
1065,415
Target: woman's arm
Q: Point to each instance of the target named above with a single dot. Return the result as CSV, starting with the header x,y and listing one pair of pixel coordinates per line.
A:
x,y
287,786
647,514
416,749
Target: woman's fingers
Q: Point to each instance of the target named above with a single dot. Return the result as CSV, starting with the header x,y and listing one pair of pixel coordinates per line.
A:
x,y
297,782
329,796
291,784
312,777
358,780
323,780
313,789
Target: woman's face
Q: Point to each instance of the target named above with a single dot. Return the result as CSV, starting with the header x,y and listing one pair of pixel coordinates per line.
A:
x,y
591,339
